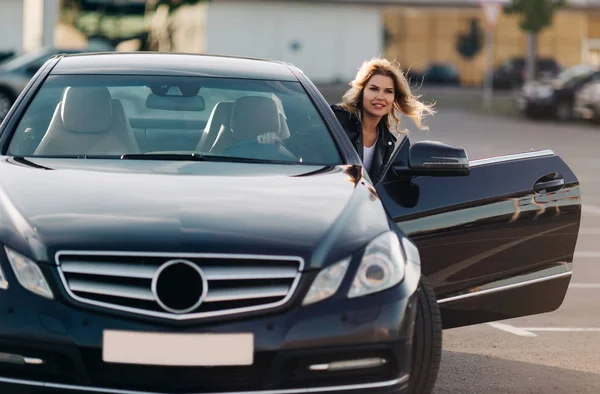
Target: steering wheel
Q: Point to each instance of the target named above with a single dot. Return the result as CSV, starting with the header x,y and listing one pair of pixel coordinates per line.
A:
x,y
253,149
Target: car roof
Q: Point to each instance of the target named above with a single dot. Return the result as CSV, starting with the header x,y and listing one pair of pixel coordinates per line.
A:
x,y
173,64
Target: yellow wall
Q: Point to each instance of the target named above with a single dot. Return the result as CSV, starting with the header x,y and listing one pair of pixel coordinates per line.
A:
x,y
424,35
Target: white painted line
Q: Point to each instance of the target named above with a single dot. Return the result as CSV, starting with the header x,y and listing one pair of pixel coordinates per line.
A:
x,y
560,329
585,285
513,330
591,209
587,255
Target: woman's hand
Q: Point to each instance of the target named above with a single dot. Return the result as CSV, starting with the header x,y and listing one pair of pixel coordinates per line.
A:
x,y
268,138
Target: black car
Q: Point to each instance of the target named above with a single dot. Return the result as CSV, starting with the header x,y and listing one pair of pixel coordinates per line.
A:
x,y
16,72
153,244
511,73
442,74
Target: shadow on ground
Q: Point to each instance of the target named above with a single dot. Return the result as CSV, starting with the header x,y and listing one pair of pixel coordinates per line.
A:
x,y
467,373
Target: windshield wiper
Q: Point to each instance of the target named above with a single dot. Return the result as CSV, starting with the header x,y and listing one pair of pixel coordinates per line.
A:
x,y
193,157
163,156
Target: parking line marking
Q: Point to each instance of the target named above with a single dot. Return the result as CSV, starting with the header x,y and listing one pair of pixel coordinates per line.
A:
x,y
587,255
561,329
593,209
585,285
512,329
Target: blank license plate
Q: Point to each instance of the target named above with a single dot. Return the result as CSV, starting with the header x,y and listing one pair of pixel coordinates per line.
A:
x,y
151,348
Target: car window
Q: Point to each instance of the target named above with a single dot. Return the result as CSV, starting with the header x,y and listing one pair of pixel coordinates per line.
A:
x,y
113,115
575,73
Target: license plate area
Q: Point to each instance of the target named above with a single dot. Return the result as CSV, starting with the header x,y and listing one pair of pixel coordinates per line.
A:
x,y
177,349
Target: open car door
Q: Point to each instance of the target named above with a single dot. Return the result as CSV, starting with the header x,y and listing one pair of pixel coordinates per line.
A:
x,y
496,236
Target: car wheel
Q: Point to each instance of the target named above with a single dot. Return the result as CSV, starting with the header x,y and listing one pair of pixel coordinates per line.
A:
x,y
6,101
427,346
564,112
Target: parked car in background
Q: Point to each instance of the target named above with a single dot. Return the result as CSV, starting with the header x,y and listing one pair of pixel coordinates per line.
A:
x,y
587,102
441,74
4,56
511,73
555,98
15,73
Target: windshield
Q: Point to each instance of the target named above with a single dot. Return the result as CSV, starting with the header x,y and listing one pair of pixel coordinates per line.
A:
x,y
575,72
144,117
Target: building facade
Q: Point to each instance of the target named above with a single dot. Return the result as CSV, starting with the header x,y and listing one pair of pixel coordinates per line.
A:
x,y
328,39
26,25
419,36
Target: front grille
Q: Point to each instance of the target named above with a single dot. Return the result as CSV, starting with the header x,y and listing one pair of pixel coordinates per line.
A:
x,y
223,284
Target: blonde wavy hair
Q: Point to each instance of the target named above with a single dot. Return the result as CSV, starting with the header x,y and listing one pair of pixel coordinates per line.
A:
x,y
405,101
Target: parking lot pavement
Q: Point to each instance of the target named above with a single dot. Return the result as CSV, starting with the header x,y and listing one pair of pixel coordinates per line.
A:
x,y
556,352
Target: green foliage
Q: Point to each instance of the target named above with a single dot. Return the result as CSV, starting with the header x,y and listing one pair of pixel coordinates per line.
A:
x,y
469,44
535,15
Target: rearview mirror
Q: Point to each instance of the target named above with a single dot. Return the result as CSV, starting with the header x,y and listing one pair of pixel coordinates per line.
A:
x,y
432,158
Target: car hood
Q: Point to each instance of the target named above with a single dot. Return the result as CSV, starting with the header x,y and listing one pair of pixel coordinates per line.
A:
x,y
319,213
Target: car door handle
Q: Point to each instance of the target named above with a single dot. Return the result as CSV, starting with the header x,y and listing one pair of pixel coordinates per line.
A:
x,y
549,186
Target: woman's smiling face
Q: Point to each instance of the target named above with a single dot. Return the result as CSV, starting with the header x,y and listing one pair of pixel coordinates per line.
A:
x,y
378,96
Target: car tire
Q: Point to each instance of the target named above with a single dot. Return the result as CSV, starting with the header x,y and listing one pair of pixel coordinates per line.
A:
x,y
427,346
564,112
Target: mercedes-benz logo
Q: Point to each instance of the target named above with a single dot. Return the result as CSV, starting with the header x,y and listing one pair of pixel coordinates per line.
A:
x,y
179,286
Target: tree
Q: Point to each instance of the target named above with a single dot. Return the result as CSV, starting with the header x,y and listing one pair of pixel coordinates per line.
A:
x,y
535,16
469,44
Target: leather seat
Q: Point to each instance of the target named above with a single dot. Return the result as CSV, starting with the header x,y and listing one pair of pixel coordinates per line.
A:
x,y
251,116
88,121
218,123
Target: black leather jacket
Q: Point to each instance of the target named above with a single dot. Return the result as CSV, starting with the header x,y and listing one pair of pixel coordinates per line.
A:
x,y
386,141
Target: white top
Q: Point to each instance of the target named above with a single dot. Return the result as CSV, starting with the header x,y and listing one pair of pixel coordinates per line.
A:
x,y
368,155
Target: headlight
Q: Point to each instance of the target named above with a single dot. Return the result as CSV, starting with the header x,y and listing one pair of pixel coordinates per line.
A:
x,y
544,92
381,267
327,282
28,274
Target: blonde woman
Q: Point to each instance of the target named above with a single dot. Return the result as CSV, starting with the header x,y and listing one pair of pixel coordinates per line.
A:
x,y
379,93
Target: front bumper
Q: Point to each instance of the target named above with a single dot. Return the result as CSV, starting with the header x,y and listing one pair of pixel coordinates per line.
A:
x,y
68,338
538,106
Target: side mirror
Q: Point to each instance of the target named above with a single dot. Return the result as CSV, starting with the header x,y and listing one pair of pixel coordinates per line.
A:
x,y
432,158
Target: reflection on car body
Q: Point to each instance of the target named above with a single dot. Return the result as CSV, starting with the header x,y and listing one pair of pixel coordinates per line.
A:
x,y
151,244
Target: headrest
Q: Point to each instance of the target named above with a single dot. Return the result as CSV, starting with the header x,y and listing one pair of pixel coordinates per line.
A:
x,y
87,109
220,113
252,116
